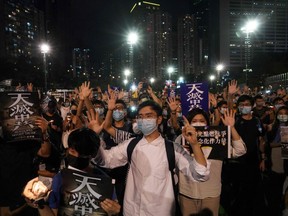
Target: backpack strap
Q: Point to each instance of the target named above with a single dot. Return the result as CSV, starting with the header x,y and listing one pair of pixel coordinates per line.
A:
x,y
171,162
131,147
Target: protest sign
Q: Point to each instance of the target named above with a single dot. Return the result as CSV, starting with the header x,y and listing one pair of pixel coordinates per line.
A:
x,y
215,142
83,192
194,95
18,112
284,141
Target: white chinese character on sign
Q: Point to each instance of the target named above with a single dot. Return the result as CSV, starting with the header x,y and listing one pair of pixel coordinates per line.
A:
x,y
21,110
194,96
85,202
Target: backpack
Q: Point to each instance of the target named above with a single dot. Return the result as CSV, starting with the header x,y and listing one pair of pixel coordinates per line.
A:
x,y
169,146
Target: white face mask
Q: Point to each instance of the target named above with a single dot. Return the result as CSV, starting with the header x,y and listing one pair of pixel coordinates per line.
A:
x,y
223,110
147,126
198,124
135,128
282,118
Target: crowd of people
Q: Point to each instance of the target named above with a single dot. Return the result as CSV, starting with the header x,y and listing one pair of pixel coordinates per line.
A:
x,y
144,143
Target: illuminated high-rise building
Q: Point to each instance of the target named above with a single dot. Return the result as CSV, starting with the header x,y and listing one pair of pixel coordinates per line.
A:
x,y
81,63
21,30
188,49
155,29
270,37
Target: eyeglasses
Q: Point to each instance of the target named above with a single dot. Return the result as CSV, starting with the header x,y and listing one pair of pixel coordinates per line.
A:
x,y
146,116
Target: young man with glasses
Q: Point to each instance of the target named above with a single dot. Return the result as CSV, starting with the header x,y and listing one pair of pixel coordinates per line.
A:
x,y
149,188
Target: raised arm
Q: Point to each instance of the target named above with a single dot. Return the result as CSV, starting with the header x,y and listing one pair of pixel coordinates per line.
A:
x,y
153,96
239,147
109,118
173,106
45,148
190,135
232,89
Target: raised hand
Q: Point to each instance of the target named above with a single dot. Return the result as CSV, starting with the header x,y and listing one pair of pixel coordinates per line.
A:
x,y
30,87
85,90
112,101
212,100
121,94
42,123
232,87
189,132
94,122
173,105
110,206
228,118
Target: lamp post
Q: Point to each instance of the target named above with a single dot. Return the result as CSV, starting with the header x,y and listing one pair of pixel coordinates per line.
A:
x,y
132,39
212,77
219,68
127,72
250,27
170,70
45,48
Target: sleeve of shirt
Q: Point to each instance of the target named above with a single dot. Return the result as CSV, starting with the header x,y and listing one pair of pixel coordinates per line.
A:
x,y
189,166
55,194
238,148
114,157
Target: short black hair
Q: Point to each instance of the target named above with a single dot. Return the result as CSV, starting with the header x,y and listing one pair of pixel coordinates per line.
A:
x,y
85,141
243,98
277,99
221,103
154,106
258,97
99,102
119,101
195,111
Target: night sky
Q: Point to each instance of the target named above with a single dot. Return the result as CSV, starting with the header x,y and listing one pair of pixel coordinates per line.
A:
x,y
101,24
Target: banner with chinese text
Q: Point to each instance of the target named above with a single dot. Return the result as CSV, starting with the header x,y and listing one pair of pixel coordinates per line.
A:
x,y
83,192
18,111
215,142
194,95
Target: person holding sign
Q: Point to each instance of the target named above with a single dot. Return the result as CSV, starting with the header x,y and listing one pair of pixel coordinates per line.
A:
x,y
149,189
277,138
195,196
75,190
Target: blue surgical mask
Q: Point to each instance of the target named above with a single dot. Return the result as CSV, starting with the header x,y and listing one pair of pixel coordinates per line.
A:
x,y
118,115
245,110
99,110
147,126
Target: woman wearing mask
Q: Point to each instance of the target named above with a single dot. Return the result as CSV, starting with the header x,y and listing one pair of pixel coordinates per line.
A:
x,y
279,167
195,196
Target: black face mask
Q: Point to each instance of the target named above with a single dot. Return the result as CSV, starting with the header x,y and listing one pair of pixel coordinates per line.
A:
x,y
77,162
73,112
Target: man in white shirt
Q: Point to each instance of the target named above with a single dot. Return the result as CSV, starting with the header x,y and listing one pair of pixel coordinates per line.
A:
x,y
149,189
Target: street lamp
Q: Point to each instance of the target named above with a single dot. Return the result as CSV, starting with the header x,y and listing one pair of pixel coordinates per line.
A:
x,y
250,27
132,39
45,48
126,74
212,77
219,68
170,70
